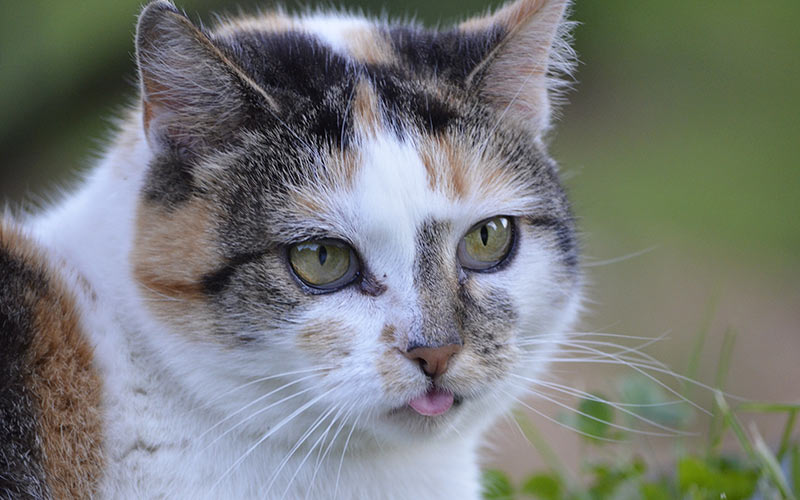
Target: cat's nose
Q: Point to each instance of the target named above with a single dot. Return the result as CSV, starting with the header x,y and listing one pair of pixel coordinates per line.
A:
x,y
433,360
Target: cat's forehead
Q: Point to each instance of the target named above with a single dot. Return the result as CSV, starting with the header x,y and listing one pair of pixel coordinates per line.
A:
x,y
449,54
312,67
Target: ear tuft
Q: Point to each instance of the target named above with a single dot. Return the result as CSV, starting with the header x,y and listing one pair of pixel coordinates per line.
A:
x,y
524,74
193,95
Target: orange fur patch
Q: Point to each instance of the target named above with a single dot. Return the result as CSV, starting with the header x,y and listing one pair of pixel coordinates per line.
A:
x,y
173,251
275,22
64,380
369,46
366,111
446,166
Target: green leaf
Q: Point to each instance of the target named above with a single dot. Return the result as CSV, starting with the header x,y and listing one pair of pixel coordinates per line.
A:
x,y
594,417
617,482
770,466
768,407
543,486
655,491
654,403
497,485
713,478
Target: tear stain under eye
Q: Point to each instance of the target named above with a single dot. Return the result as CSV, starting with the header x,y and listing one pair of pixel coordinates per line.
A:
x,y
369,285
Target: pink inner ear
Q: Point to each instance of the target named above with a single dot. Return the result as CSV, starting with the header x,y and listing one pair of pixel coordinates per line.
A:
x,y
517,75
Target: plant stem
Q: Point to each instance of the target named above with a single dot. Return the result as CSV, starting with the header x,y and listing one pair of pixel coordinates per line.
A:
x,y
787,434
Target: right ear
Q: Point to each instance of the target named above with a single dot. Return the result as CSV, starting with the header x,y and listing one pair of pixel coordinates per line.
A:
x,y
516,77
193,96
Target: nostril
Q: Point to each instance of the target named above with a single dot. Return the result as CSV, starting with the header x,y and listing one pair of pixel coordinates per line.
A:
x,y
423,365
433,360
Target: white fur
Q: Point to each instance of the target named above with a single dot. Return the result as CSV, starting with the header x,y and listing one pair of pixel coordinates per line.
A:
x,y
169,399
333,29
156,439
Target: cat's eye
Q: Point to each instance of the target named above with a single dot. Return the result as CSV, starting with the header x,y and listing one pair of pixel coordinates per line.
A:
x,y
325,265
487,244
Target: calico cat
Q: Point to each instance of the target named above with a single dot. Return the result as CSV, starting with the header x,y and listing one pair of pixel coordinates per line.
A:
x,y
309,266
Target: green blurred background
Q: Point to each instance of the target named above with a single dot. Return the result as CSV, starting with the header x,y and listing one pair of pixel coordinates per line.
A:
x,y
681,138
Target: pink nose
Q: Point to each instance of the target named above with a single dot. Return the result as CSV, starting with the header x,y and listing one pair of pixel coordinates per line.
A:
x,y
433,360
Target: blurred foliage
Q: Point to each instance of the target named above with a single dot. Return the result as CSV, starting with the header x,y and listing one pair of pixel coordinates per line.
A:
x,y
695,476
698,472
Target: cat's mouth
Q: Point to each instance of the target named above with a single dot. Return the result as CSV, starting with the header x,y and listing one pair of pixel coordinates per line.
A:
x,y
432,403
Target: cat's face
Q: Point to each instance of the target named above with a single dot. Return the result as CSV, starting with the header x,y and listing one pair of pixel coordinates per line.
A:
x,y
376,224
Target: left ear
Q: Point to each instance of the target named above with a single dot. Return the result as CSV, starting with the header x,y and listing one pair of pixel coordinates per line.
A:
x,y
517,76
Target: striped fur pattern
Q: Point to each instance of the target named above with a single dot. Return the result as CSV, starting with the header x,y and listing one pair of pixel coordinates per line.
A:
x,y
50,409
223,373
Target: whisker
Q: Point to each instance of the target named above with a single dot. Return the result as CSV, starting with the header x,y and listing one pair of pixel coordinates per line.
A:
x,y
581,344
621,258
243,421
636,366
269,433
670,431
582,352
577,392
311,450
640,367
555,421
585,334
255,401
321,459
584,346
297,445
259,380
341,460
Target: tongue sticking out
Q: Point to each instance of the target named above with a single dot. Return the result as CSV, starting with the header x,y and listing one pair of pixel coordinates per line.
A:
x,y
432,403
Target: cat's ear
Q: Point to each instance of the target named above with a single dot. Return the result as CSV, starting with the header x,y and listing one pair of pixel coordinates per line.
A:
x,y
193,95
520,75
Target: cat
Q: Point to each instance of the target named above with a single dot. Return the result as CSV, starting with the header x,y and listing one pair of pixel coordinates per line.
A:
x,y
310,264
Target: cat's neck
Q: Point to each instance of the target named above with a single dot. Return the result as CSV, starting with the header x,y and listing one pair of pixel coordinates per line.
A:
x,y
93,227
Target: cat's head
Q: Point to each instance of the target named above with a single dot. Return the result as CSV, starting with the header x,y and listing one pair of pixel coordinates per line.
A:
x,y
363,211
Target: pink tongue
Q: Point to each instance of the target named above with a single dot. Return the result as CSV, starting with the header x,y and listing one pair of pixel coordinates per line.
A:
x,y
432,403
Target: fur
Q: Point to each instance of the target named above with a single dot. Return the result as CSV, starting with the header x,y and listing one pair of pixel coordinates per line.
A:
x,y
222,373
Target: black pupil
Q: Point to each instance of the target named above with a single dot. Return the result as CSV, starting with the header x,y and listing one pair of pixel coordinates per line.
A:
x,y
323,255
484,235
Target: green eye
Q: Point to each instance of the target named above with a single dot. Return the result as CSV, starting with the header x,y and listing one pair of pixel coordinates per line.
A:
x,y
323,264
487,244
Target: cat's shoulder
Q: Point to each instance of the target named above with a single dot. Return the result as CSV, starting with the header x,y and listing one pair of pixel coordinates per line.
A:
x,y
50,422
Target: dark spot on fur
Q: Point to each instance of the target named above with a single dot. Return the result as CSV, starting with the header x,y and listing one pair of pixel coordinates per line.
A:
x,y
169,181
407,103
369,285
311,83
215,282
139,446
451,55
22,472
